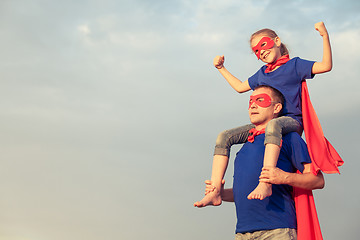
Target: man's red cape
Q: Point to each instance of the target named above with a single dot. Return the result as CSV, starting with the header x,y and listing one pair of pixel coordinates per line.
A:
x,y
323,158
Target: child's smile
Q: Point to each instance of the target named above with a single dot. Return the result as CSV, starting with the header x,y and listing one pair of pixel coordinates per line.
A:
x,y
266,49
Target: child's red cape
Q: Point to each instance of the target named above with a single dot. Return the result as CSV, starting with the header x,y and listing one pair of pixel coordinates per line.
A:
x,y
323,157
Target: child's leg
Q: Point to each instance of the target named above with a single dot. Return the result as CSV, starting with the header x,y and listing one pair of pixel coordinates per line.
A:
x,y
224,142
273,135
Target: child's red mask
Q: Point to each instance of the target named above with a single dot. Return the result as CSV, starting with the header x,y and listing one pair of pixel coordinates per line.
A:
x,y
262,100
264,44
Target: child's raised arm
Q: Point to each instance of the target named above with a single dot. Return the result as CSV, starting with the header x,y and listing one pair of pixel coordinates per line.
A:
x,y
326,64
235,83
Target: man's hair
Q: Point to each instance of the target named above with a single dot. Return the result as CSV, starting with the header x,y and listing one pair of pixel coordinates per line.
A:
x,y
277,95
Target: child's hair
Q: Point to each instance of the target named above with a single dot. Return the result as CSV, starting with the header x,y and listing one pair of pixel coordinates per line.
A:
x,y
272,34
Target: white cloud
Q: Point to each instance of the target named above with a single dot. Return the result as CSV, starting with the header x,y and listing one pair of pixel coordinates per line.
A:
x,y
84,29
347,45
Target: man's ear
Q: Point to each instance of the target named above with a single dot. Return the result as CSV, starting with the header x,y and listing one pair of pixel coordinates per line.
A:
x,y
277,108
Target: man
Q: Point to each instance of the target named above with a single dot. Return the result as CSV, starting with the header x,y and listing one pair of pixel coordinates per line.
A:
x,y
273,217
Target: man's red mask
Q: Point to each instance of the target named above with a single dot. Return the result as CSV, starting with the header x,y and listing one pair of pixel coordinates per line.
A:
x,y
264,44
262,100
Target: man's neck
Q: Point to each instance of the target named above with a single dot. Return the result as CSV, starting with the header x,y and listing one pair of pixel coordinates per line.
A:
x,y
263,125
260,126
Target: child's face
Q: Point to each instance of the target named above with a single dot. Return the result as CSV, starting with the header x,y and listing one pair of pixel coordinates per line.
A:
x,y
265,48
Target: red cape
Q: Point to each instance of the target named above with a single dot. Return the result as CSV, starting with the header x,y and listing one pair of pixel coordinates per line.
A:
x,y
323,157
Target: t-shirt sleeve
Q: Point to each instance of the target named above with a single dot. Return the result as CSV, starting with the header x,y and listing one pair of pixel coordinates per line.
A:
x,y
298,151
254,80
304,68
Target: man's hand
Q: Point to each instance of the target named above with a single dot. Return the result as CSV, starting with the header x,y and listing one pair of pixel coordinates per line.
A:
x,y
306,180
210,188
226,194
320,27
273,175
219,61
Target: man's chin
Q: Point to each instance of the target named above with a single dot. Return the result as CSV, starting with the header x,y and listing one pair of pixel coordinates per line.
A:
x,y
254,119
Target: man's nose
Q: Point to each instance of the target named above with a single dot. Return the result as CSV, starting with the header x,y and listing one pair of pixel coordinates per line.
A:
x,y
253,105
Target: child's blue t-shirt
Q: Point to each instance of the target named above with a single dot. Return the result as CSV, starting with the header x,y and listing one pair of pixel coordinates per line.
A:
x,y
278,210
287,79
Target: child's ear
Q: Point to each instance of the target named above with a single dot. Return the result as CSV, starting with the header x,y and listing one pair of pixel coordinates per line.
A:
x,y
277,41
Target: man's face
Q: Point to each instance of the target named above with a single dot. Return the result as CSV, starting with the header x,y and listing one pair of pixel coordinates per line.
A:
x,y
262,107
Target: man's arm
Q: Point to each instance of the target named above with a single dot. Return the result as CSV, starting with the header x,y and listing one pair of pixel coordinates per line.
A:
x,y
227,195
326,64
307,180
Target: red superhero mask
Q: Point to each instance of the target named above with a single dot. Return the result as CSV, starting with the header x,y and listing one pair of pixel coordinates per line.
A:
x,y
262,100
264,44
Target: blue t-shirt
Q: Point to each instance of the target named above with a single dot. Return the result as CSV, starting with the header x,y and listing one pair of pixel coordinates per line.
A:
x,y
278,210
287,79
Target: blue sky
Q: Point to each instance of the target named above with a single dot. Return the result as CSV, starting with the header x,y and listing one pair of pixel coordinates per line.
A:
x,y
110,111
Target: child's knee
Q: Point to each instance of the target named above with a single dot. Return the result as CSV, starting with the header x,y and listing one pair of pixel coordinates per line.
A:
x,y
221,147
222,138
273,129
273,133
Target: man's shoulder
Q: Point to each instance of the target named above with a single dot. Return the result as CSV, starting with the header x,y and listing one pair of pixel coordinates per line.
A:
x,y
293,137
293,142
295,148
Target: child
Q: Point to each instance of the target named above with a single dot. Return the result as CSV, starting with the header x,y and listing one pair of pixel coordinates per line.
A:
x,y
282,73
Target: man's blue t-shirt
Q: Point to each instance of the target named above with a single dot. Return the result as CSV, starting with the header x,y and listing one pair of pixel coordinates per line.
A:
x,y
287,79
278,210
